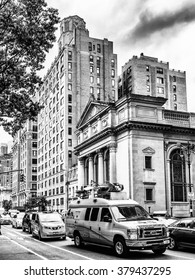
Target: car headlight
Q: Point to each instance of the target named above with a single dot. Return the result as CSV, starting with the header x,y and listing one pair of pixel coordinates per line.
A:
x,y
132,233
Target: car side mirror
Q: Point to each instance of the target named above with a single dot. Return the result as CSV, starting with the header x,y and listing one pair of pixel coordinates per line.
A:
x,y
107,219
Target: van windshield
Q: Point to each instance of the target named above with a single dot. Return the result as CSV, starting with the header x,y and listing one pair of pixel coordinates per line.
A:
x,y
130,213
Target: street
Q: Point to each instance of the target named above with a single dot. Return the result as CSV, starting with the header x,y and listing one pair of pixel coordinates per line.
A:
x,y
18,245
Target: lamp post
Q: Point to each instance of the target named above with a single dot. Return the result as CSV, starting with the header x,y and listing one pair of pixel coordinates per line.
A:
x,y
188,149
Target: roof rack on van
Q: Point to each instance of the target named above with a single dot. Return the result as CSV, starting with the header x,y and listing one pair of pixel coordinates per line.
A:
x,y
96,190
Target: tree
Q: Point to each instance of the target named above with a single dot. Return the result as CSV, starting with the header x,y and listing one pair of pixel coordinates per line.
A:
x,y
40,201
27,32
7,205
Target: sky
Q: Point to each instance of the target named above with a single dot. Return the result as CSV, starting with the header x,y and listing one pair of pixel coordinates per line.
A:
x,y
159,28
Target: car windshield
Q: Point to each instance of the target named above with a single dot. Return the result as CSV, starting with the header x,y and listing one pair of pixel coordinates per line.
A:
x,y
130,213
50,217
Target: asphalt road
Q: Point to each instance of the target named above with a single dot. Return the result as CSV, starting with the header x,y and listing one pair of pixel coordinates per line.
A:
x,y
18,245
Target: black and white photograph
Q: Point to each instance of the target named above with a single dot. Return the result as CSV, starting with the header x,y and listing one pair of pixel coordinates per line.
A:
x,y
97,136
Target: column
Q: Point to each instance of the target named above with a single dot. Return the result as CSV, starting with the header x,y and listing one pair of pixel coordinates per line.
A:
x,y
90,169
100,167
113,177
81,173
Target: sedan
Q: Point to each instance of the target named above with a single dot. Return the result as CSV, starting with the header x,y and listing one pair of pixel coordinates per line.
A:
x,y
17,220
182,234
5,219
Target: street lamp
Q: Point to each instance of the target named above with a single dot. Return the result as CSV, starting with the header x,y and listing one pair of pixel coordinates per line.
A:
x,y
188,149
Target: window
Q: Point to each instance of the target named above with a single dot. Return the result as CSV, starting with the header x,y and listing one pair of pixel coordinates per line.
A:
x,y
98,61
112,73
91,90
91,79
149,194
90,46
148,162
94,214
98,80
160,80
174,78
159,70
34,161
69,55
69,109
91,59
174,97
112,63
148,88
160,90
69,131
69,98
69,65
98,48
91,69
87,214
147,68
70,142
70,120
98,70
70,76
174,88
175,107
69,86
113,83
147,78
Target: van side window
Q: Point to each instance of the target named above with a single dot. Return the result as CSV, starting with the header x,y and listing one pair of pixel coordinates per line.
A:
x,y
87,213
105,212
94,214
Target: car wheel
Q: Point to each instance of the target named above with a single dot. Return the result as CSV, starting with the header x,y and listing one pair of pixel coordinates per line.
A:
x,y
159,251
173,244
40,238
29,229
16,226
12,225
120,247
78,240
23,228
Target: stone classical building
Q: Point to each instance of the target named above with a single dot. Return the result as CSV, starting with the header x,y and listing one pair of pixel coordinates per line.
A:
x,y
142,141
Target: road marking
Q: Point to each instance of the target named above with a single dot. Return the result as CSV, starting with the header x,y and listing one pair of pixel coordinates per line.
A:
x,y
64,250
178,256
43,258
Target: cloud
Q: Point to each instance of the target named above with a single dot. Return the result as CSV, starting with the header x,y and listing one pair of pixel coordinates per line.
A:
x,y
150,23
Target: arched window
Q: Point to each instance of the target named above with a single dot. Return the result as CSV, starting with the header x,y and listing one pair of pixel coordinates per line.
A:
x,y
178,176
107,166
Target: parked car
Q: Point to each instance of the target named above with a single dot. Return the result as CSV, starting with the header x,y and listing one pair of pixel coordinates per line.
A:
x,y
26,222
182,234
48,225
163,217
5,219
17,220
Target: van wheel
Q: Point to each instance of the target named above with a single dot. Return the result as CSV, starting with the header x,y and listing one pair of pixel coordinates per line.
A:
x,y
159,251
120,247
78,240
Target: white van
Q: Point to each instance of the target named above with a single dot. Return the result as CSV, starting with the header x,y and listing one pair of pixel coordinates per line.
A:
x,y
119,223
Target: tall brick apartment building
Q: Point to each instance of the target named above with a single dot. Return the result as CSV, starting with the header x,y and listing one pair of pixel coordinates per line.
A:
x,y
85,68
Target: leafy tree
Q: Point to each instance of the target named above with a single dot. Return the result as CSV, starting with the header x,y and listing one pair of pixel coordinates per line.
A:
x,y
7,205
27,32
40,201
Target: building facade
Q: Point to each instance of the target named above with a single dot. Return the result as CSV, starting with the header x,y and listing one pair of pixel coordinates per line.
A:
x,y
85,68
5,176
24,164
147,75
136,142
